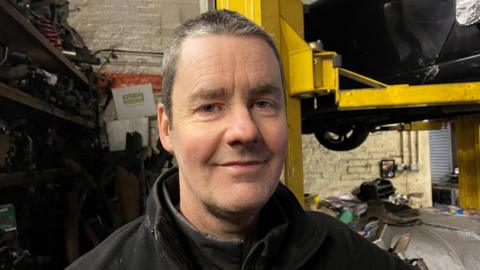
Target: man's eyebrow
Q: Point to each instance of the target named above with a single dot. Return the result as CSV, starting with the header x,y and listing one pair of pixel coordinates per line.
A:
x,y
205,93
265,89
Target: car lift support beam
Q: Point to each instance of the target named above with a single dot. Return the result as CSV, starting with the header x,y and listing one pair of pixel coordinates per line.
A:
x,y
310,73
381,95
283,20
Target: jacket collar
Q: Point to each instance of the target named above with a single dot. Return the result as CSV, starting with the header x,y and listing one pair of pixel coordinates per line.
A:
x,y
294,238
160,223
213,253
304,236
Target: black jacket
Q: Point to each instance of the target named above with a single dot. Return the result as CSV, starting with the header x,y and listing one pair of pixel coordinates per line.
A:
x,y
307,240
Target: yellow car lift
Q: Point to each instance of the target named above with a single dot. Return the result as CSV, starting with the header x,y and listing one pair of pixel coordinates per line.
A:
x,y
308,73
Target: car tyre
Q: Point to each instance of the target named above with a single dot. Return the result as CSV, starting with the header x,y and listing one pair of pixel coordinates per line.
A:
x,y
344,139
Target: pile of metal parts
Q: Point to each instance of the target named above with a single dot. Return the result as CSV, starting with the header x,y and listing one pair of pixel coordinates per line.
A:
x,y
16,147
426,238
372,212
12,255
60,216
17,69
50,18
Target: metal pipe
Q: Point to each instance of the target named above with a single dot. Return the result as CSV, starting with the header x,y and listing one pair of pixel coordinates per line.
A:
x,y
410,149
417,147
402,150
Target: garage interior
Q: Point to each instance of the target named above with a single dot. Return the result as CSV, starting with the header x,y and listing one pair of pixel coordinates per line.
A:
x,y
77,162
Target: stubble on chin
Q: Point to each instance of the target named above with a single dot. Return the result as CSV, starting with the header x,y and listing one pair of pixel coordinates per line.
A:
x,y
237,213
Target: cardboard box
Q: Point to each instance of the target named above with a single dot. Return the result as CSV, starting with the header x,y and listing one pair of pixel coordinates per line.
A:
x,y
134,101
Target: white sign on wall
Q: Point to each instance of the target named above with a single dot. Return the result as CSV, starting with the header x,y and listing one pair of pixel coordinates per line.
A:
x,y
134,101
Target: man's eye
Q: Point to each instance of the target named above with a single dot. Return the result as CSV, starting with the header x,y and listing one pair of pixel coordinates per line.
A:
x,y
209,108
264,105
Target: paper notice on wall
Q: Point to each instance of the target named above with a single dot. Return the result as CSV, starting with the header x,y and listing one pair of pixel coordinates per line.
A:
x,y
134,101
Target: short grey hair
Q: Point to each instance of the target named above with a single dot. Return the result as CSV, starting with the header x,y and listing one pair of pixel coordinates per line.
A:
x,y
211,22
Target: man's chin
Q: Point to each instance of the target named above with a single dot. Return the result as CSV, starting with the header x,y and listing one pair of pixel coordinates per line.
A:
x,y
240,200
236,210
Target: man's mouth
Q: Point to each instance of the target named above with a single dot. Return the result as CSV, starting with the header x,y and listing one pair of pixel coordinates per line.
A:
x,y
242,163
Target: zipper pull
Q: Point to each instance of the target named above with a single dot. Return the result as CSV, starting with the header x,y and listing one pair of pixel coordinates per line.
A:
x,y
154,232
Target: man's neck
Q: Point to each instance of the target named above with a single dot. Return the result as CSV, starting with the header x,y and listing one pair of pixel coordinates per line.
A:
x,y
242,227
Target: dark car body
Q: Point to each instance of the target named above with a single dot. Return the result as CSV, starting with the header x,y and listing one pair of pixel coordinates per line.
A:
x,y
396,42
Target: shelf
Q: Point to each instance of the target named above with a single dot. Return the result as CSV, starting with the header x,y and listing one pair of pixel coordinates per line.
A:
x,y
18,31
25,99
22,178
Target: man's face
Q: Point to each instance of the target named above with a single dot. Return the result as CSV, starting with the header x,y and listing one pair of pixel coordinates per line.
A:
x,y
228,128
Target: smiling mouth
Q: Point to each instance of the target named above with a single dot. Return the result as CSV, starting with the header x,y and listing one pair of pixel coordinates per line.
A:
x,y
242,163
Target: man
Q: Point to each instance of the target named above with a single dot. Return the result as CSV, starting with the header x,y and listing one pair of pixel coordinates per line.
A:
x,y
223,116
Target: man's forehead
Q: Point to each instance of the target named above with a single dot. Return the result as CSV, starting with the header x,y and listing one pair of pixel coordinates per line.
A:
x,y
221,47
215,51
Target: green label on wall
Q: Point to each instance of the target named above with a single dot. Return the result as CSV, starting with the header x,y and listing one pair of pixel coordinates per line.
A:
x,y
133,99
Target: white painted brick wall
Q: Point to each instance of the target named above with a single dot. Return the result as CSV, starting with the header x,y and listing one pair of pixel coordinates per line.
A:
x,y
137,25
147,25
330,173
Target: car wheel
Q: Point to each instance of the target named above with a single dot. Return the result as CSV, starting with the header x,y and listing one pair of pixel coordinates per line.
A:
x,y
343,139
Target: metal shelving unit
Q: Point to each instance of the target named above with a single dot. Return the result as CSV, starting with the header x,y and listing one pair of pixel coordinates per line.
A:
x,y
23,178
10,94
17,30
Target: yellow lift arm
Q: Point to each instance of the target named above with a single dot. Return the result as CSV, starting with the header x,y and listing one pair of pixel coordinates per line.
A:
x,y
310,73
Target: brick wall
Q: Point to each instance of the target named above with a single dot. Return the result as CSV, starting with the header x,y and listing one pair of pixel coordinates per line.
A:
x,y
332,173
147,25
131,25
134,25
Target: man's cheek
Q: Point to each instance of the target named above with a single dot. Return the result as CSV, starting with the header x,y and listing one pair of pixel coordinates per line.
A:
x,y
194,154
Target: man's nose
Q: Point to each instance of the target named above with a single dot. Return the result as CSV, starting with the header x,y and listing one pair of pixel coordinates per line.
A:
x,y
242,127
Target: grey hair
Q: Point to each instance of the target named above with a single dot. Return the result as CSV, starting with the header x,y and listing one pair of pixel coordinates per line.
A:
x,y
211,22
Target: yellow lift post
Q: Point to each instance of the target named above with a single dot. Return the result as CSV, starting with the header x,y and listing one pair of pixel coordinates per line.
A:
x,y
467,133
284,21
310,73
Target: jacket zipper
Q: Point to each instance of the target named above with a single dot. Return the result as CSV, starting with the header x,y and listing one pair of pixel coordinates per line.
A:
x,y
154,232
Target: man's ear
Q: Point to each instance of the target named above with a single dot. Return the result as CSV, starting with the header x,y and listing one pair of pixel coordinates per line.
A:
x,y
164,128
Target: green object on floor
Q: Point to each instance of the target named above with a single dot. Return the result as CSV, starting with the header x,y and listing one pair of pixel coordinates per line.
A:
x,y
8,220
346,216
